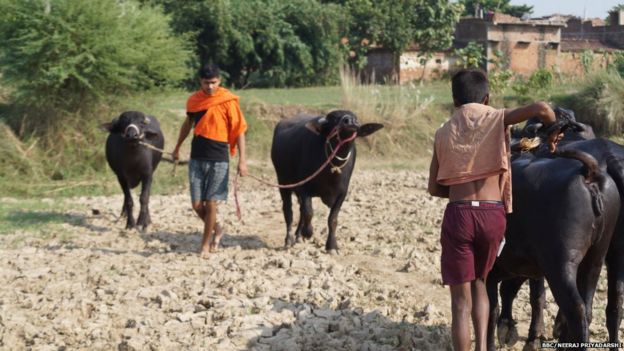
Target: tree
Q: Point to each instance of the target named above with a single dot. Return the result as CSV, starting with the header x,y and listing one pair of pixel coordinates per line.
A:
x,y
618,7
263,42
396,24
503,6
67,53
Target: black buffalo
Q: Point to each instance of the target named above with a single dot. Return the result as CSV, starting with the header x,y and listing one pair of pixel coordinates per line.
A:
x,y
565,212
132,161
610,156
301,145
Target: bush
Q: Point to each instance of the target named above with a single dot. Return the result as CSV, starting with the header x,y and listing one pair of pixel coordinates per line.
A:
x,y
470,56
67,54
600,102
587,60
618,62
536,87
500,75
65,62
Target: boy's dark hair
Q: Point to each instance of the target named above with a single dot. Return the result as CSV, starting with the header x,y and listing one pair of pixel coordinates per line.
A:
x,y
209,71
470,86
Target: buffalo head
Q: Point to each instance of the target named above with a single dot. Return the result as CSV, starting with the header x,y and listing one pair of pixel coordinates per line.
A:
x,y
565,120
134,126
344,123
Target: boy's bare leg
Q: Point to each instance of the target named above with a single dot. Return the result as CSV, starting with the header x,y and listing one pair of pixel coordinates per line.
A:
x,y
461,307
480,313
210,219
218,232
199,209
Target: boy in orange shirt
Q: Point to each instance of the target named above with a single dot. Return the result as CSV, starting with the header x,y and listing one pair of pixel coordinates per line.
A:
x,y
219,127
471,167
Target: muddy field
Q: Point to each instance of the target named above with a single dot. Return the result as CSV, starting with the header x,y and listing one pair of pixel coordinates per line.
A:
x,y
88,284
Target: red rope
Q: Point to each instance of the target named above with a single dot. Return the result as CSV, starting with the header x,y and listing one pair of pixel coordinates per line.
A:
x,y
294,185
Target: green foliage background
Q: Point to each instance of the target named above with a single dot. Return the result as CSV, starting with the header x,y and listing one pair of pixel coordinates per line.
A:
x,y
503,6
67,54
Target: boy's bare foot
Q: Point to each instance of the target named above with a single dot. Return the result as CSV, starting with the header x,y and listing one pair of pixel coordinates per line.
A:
x,y
214,246
205,253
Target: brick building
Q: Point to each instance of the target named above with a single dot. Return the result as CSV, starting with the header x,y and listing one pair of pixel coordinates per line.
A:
x,y
554,42
384,66
590,37
528,45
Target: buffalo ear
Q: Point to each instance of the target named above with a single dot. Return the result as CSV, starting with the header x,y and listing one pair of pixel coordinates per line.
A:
x,y
110,127
578,127
533,128
316,125
151,128
369,128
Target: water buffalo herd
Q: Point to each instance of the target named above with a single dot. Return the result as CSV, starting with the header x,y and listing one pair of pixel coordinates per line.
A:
x,y
568,209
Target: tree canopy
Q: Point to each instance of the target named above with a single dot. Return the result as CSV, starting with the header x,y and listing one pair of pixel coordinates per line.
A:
x,y
396,24
503,6
64,53
263,42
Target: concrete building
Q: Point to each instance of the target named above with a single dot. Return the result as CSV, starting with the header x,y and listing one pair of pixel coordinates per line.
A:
x,y
528,44
554,42
384,66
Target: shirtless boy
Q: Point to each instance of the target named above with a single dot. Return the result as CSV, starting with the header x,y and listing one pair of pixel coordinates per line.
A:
x,y
471,167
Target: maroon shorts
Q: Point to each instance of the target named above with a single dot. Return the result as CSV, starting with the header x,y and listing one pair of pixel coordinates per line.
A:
x,y
471,235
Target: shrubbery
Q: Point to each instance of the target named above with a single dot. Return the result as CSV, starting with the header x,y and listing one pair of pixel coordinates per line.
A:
x,y
600,102
66,54
64,62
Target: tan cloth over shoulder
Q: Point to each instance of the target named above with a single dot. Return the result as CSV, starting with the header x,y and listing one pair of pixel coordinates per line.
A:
x,y
472,145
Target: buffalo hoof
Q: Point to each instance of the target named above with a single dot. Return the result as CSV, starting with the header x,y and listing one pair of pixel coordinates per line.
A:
x,y
558,327
130,224
507,332
532,345
290,241
143,222
333,252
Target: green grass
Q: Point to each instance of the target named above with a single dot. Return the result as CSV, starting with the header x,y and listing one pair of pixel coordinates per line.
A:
x,y
34,216
411,114
314,97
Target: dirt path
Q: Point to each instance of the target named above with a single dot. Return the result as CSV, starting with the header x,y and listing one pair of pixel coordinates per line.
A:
x,y
91,285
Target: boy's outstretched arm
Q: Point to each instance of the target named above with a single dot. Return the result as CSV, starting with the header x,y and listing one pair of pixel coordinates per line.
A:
x,y
434,188
540,110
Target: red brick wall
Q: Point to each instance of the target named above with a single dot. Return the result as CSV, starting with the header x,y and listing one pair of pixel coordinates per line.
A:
x,y
569,62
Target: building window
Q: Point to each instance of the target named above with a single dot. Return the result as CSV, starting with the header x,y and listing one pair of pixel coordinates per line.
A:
x,y
439,61
552,46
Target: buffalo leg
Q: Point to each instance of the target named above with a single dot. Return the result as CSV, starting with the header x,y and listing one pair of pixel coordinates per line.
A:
x,y
559,326
537,292
506,326
144,215
332,222
299,223
306,216
587,281
615,292
288,215
127,204
571,304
